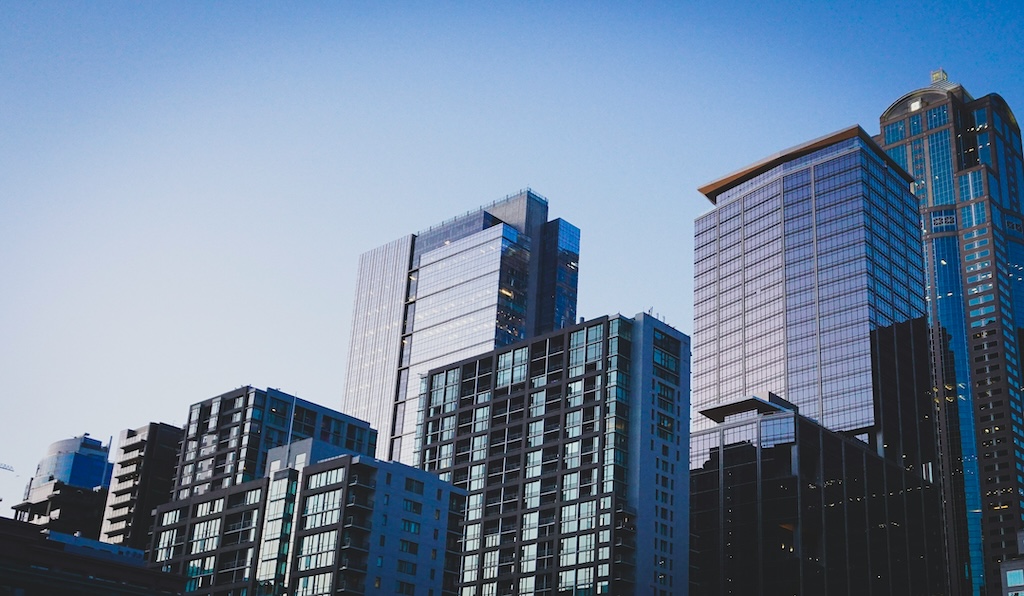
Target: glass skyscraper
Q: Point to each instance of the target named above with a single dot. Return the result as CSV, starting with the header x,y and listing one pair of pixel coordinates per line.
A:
x,y
964,155
482,280
809,287
804,257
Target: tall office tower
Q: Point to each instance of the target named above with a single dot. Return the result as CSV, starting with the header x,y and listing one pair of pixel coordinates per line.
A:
x,y
69,488
573,450
809,285
485,279
965,158
227,437
322,520
143,478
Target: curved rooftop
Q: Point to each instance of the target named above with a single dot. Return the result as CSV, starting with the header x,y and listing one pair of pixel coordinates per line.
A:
x,y
713,189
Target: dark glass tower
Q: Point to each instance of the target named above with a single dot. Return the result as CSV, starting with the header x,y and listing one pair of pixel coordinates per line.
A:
x,y
485,279
809,287
965,158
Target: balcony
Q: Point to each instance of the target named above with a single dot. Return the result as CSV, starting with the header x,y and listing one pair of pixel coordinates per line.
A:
x,y
359,502
355,544
347,563
120,514
350,587
358,522
367,482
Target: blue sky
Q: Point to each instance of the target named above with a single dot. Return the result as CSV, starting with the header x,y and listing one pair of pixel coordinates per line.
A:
x,y
185,188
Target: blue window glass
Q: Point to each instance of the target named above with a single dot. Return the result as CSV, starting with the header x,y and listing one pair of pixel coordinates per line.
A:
x,y
984,149
899,155
915,124
1015,578
895,132
980,119
942,168
971,186
937,117
972,215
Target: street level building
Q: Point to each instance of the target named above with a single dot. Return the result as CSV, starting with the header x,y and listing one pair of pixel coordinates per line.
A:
x,y
809,285
36,562
485,279
573,450
782,505
964,155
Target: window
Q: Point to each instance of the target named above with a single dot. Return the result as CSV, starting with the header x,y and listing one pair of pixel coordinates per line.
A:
x,y
410,526
414,486
205,536
412,506
408,547
407,567
937,117
1015,578
324,478
314,585
317,550
895,132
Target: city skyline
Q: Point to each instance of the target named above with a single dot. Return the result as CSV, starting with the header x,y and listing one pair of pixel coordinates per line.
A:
x,y
173,183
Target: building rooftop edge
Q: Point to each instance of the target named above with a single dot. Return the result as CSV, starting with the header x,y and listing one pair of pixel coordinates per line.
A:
x,y
773,403
717,187
523,191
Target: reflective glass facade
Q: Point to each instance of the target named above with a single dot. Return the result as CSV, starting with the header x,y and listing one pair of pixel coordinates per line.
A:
x,y
572,449
796,268
809,287
488,278
79,461
965,157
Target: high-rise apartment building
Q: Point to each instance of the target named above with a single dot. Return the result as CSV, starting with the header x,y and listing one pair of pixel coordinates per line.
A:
x,y
322,520
573,450
809,285
143,478
964,155
227,437
488,278
69,488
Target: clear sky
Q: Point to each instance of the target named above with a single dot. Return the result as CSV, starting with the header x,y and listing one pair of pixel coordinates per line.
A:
x,y
185,188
